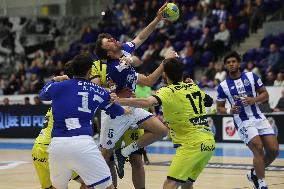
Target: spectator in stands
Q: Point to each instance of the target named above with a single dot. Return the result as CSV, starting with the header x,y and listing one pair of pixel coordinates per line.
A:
x,y
270,79
204,82
210,71
257,16
2,85
279,81
37,101
204,42
27,101
13,85
221,40
6,101
167,48
220,72
187,51
88,35
231,24
280,105
220,12
265,107
274,59
250,67
194,23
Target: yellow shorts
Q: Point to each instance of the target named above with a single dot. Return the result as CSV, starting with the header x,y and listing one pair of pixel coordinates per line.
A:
x,y
40,160
130,136
190,160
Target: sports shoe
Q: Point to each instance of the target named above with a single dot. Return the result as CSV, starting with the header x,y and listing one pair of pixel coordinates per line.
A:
x,y
262,184
253,178
119,161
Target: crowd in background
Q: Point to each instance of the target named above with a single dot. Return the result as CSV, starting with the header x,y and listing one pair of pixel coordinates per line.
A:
x,y
205,30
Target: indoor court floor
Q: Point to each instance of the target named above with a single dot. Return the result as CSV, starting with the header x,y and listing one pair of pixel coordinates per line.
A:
x,y
226,170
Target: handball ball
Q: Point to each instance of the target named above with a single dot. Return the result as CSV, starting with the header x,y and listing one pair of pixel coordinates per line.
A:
x,y
171,12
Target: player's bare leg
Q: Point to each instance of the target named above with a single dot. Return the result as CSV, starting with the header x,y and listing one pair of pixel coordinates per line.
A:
x,y
256,147
271,147
113,173
187,185
154,130
138,172
171,184
107,154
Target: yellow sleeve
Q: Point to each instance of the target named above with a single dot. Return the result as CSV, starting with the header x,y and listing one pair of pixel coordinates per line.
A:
x,y
161,95
95,72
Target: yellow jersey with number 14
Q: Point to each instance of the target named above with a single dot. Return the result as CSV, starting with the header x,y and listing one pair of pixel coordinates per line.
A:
x,y
183,109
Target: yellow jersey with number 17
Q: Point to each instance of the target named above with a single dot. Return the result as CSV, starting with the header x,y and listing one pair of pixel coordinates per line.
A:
x,y
183,109
44,136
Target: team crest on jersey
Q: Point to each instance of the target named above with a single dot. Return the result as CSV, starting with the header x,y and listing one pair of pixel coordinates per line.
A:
x,y
130,78
121,67
246,82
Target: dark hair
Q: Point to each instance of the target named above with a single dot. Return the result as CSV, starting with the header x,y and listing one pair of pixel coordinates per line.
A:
x,y
81,64
99,50
173,69
232,54
68,69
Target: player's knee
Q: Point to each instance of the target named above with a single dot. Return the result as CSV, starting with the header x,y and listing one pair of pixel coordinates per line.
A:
x,y
163,132
136,163
169,184
273,152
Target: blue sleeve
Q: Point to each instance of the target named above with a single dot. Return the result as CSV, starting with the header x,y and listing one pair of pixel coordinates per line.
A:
x,y
257,81
221,96
128,47
46,92
111,109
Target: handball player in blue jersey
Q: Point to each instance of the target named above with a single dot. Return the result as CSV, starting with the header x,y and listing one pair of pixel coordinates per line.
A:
x,y
124,76
72,148
244,90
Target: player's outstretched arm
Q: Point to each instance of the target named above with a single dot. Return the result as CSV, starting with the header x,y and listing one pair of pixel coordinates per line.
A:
x,y
145,33
151,79
135,102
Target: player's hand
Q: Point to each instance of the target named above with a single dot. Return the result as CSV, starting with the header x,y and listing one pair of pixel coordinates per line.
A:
x,y
60,78
171,54
127,110
161,11
126,60
112,85
113,98
188,80
246,101
235,109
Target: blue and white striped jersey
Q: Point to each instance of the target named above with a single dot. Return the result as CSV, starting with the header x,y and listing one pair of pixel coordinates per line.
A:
x,y
235,89
123,75
74,103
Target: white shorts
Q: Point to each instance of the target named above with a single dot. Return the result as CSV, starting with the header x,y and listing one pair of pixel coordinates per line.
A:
x,y
254,127
113,129
79,154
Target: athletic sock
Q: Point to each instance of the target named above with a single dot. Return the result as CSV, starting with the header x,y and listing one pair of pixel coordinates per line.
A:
x,y
126,151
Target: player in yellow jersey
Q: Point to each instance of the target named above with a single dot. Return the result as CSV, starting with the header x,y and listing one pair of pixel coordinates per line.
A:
x,y
98,75
39,150
183,106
